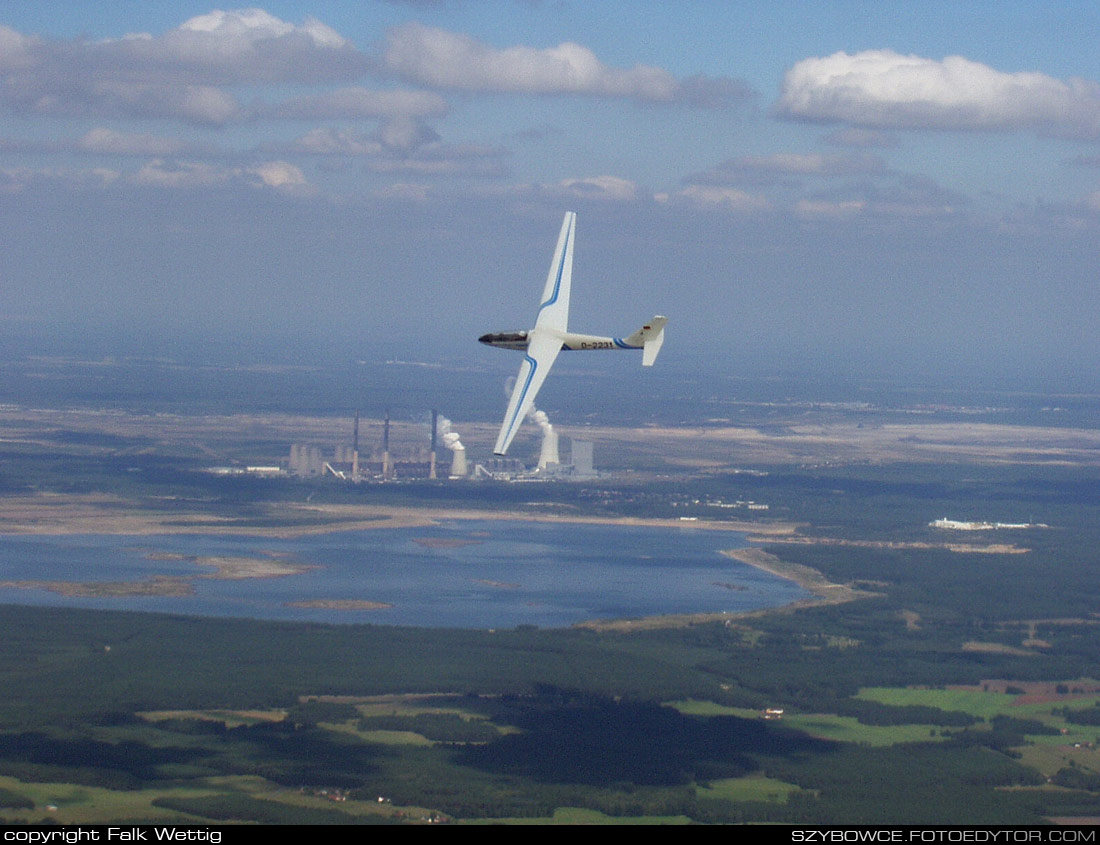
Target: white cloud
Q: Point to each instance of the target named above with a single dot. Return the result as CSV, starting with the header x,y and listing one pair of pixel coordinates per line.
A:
x,y
238,46
15,49
110,142
163,173
251,25
279,174
451,60
881,88
181,74
203,104
598,187
15,179
827,209
402,145
358,102
188,174
327,141
193,174
712,196
404,134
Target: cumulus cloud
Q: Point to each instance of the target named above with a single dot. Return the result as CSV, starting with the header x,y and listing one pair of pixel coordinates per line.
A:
x,y
357,102
180,74
14,180
340,142
884,89
104,141
599,188
716,197
403,145
187,174
110,142
247,45
16,49
451,60
160,173
405,134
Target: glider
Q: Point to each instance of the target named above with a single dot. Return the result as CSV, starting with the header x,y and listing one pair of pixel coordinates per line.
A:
x,y
550,336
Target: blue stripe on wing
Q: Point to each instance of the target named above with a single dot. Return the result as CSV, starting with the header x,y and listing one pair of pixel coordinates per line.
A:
x,y
561,268
533,364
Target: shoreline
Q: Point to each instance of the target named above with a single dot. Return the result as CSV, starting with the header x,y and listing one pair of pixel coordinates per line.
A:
x,y
55,514
824,592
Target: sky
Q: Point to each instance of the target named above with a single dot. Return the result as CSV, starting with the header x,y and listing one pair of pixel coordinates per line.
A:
x,y
866,186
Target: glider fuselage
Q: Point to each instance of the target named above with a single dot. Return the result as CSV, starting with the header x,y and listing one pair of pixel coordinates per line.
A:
x,y
569,341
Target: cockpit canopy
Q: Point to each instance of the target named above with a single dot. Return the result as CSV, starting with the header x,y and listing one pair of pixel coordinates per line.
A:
x,y
507,340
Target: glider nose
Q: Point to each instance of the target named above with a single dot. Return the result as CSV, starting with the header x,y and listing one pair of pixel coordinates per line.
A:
x,y
485,338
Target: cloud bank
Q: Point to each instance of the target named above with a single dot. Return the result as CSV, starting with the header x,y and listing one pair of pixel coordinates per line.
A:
x,y
451,60
181,74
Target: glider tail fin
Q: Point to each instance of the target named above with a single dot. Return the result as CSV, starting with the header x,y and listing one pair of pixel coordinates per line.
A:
x,y
649,337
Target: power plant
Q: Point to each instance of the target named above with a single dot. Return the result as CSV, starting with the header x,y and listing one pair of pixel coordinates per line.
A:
x,y
351,461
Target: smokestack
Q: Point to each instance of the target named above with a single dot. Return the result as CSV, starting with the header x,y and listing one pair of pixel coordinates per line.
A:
x,y
435,420
355,449
387,467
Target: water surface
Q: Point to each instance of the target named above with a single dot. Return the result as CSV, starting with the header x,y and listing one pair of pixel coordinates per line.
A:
x,y
467,574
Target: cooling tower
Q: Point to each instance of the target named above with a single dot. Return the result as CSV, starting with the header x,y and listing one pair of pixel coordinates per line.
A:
x,y
435,427
549,453
355,450
458,464
387,466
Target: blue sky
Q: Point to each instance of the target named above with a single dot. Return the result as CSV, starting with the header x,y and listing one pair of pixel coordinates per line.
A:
x,y
848,184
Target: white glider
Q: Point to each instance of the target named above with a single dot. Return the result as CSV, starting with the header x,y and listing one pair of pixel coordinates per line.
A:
x,y
550,336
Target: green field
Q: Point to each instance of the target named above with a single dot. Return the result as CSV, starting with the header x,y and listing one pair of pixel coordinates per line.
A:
x,y
578,815
984,705
751,788
848,729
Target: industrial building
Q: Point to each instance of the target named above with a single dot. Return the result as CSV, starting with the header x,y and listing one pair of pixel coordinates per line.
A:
x,y
426,461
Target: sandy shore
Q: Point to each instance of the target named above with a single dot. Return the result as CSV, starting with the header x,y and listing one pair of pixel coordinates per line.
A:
x,y
225,568
157,585
341,604
235,568
102,514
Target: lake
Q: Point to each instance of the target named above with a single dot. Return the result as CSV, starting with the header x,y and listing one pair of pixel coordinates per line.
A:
x,y
465,574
